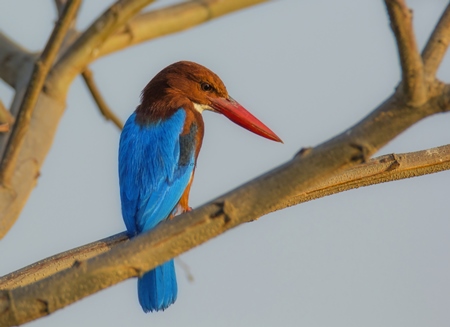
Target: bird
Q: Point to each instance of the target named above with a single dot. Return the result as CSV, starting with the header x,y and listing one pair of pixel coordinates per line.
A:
x,y
158,151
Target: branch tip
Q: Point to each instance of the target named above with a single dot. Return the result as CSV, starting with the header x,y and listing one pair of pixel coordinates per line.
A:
x,y
88,78
437,45
413,85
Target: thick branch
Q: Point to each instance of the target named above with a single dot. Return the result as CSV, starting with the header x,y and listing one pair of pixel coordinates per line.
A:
x,y
157,23
36,145
58,262
413,83
382,169
98,39
46,116
41,69
99,100
85,48
244,204
387,168
437,45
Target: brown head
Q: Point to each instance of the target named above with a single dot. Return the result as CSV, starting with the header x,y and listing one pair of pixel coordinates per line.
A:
x,y
195,88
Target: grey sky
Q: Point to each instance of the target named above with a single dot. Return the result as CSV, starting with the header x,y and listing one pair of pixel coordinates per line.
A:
x,y
377,256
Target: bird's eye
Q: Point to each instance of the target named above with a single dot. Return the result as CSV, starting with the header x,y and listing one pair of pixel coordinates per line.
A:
x,y
206,87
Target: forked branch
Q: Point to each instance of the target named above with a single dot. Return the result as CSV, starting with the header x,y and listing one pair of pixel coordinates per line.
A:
x,y
437,45
51,104
85,48
246,203
382,169
42,67
172,19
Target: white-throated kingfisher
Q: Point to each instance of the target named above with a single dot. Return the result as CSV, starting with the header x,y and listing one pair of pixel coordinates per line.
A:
x,y
158,151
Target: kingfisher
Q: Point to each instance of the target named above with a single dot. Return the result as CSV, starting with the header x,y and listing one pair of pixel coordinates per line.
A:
x,y
158,151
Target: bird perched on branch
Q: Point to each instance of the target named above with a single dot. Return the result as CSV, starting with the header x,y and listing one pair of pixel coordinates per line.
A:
x,y
158,151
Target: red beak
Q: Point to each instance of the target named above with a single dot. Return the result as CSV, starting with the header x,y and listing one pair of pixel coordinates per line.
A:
x,y
239,115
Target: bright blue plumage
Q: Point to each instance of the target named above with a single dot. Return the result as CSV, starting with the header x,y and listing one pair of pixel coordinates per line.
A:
x,y
156,163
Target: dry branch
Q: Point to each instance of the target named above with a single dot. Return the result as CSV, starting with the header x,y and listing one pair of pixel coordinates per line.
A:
x,y
176,18
42,66
88,78
243,204
85,48
46,116
387,168
58,262
382,169
437,45
410,60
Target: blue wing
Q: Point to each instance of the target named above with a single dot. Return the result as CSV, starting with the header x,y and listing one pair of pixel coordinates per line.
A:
x,y
153,170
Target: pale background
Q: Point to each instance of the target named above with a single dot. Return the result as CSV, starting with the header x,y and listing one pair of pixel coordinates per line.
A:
x,y
377,256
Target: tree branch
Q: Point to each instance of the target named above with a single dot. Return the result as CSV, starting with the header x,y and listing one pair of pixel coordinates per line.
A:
x,y
49,266
387,168
382,169
99,100
437,45
410,60
85,48
172,19
244,204
46,116
41,69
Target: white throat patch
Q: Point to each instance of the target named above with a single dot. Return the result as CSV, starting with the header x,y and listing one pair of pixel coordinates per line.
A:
x,y
201,107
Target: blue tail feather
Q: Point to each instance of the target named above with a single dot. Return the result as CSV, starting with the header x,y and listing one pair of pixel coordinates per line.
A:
x,y
158,289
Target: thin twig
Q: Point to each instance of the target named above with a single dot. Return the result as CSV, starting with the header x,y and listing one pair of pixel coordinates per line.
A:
x,y
72,34
99,100
437,45
410,60
35,85
186,269
386,168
